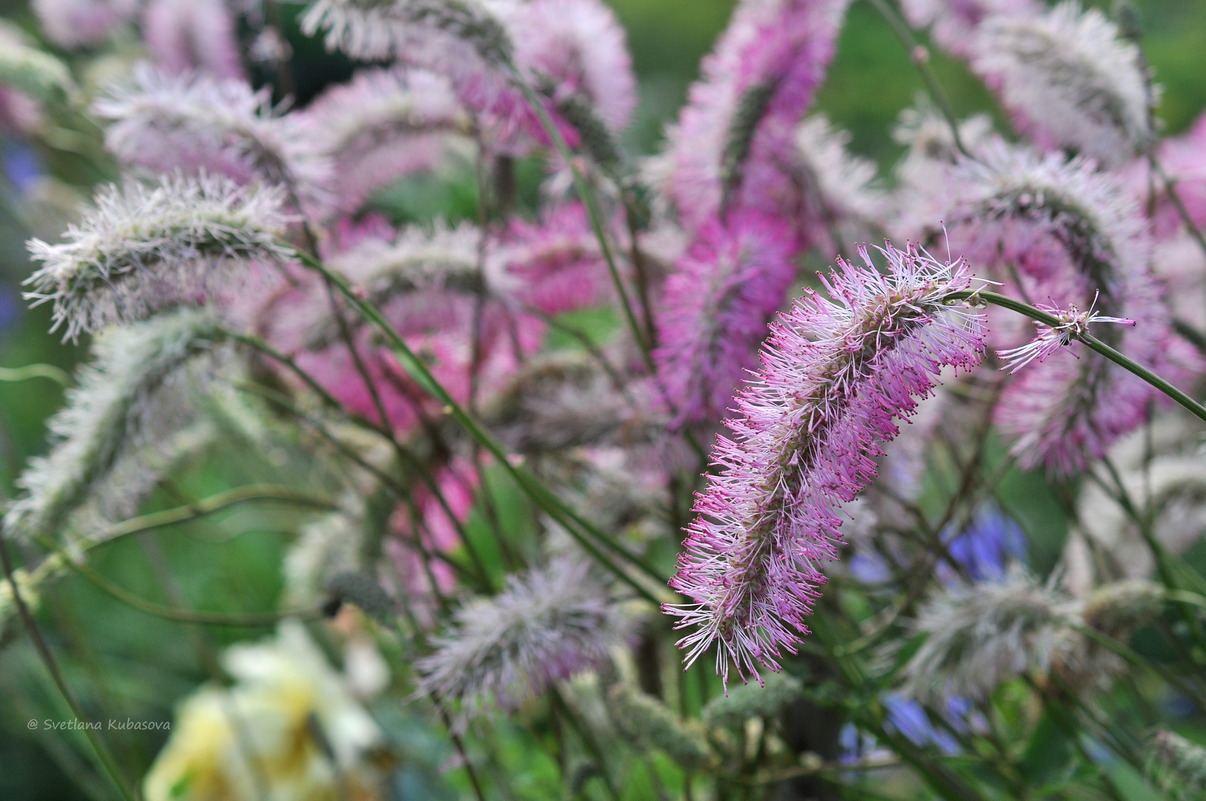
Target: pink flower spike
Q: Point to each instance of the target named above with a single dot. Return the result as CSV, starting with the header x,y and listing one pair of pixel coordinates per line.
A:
x,y
837,373
725,288
1073,325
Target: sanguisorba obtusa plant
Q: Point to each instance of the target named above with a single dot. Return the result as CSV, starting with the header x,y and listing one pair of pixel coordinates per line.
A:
x,y
580,418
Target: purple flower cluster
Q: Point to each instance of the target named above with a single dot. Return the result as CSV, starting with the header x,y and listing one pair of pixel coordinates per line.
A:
x,y
837,373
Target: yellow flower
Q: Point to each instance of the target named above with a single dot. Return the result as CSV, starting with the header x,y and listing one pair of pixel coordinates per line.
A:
x,y
287,730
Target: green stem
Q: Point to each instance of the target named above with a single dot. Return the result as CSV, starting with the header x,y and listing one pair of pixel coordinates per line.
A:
x,y
178,615
47,371
1091,342
905,34
215,503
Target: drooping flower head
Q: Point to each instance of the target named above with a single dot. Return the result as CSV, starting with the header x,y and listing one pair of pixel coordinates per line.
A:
x,y
1069,80
571,51
837,373
738,125
546,625
580,46
147,246
199,123
1067,232
467,41
112,411
715,309
373,30
983,634
381,126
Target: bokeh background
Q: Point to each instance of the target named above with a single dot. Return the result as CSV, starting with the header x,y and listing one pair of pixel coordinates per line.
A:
x,y
129,664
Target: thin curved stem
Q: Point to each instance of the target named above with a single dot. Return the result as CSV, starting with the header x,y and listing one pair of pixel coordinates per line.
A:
x,y
1091,342
932,86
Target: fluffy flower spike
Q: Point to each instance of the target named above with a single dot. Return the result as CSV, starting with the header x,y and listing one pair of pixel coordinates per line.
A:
x,y
737,126
837,373
107,416
1069,79
194,122
148,246
545,626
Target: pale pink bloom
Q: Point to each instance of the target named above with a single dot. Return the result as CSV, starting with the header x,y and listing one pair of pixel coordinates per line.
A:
x,y
566,49
571,51
1064,413
469,43
715,308
553,266
73,24
198,123
1066,230
430,287
376,30
953,23
1069,81
1073,324
837,373
1058,219
184,36
438,325
738,125
381,126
